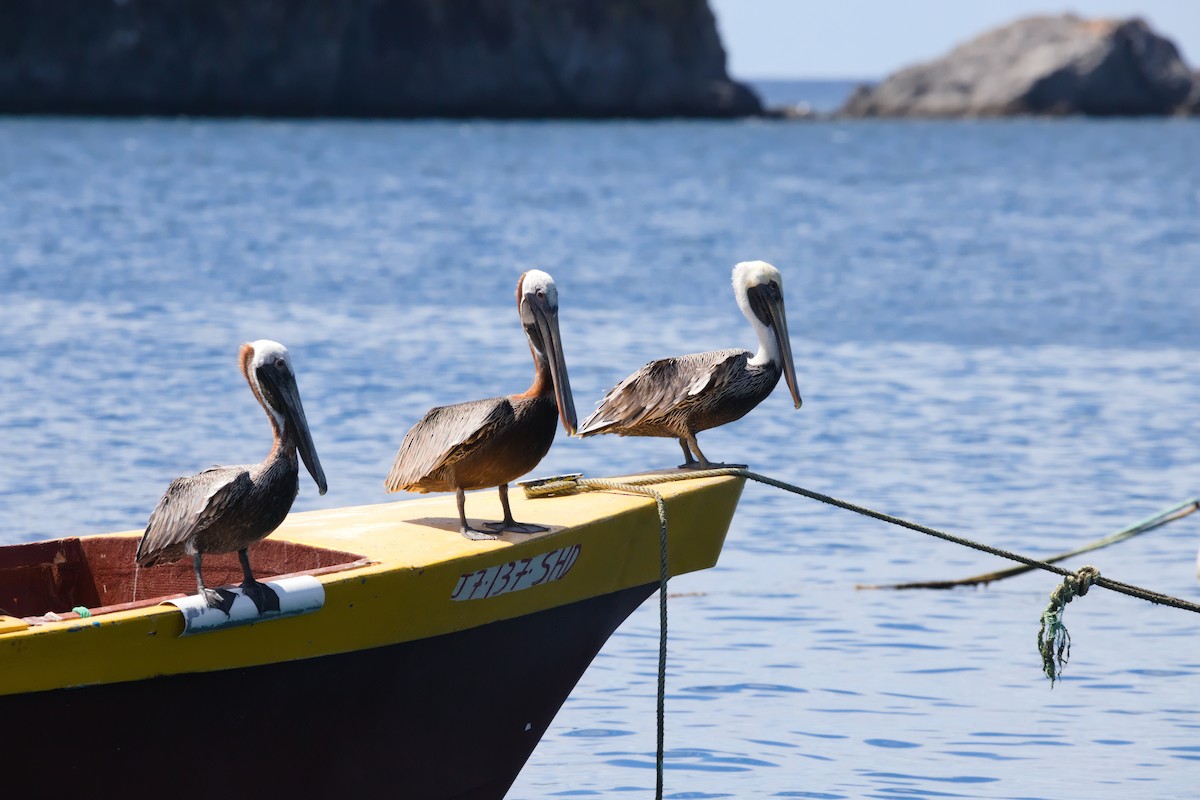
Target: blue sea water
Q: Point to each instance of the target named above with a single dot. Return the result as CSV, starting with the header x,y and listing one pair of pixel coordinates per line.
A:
x,y
995,330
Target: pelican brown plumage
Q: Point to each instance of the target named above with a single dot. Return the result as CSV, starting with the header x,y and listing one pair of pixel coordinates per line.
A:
x,y
227,509
679,397
485,443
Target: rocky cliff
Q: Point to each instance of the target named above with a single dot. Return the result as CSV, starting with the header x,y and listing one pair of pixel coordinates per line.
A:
x,y
1040,65
376,58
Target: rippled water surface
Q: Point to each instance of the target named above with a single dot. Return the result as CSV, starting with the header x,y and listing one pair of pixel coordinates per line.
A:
x,y
995,330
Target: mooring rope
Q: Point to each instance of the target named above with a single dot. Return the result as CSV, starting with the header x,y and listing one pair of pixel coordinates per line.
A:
x,y
1054,642
644,480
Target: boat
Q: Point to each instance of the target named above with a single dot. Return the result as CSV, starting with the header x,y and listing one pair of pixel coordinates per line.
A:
x,y
405,660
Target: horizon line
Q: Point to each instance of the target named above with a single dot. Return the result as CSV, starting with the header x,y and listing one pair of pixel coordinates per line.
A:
x,y
823,78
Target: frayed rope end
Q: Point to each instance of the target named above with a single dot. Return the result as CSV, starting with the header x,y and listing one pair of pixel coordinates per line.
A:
x,y
1053,640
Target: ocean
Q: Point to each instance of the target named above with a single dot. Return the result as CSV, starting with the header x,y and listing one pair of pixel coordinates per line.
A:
x,y
995,332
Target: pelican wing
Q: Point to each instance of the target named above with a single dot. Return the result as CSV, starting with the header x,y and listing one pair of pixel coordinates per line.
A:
x,y
661,387
444,436
190,506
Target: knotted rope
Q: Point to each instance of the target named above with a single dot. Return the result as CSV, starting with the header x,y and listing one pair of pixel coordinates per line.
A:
x,y
1054,642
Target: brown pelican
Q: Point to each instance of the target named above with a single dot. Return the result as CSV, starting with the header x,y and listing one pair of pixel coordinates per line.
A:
x,y
487,443
679,397
224,509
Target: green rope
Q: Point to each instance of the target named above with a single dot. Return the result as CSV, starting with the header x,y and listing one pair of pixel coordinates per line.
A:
x,y
1171,514
1053,640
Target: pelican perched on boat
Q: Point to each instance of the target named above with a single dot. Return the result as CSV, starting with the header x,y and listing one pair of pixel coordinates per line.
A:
x,y
487,443
224,509
679,397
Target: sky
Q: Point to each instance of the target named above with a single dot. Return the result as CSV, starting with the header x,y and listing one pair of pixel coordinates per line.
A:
x,y
873,38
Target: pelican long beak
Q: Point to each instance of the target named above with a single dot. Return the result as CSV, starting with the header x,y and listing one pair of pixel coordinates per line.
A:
x,y
293,411
780,329
546,320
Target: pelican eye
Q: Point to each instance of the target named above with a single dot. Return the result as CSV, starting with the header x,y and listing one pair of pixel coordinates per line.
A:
x,y
280,364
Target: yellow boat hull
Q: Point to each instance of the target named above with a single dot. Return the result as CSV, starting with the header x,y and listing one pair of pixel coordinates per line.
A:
x,y
432,669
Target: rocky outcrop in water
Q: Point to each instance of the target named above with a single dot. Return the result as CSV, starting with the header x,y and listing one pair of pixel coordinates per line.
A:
x,y
1041,65
369,58
1191,106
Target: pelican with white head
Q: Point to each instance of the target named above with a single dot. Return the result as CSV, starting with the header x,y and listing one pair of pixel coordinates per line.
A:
x,y
227,509
681,396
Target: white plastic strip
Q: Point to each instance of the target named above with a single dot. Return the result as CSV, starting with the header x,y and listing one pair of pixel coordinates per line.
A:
x,y
302,594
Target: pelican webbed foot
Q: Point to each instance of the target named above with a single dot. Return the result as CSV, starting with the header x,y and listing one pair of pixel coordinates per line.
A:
x,y
688,461
221,599
508,524
689,446
464,527
213,598
264,597
475,535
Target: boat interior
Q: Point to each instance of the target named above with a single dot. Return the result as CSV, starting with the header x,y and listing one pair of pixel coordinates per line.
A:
x,y
44,581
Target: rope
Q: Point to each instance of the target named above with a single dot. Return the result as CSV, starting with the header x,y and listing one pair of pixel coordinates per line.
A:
x,y
1175,512
1106,583
1054,642
1054,648
571,484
